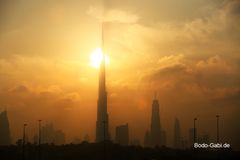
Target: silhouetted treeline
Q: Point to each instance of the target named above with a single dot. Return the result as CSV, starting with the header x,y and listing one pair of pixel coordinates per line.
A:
x,y
109,151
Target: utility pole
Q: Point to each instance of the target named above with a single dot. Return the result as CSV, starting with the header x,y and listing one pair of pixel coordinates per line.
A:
x,y
24,140
194,130
39,139
217,116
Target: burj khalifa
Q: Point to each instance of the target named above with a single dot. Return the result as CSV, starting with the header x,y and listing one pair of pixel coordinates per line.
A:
x,y
102,131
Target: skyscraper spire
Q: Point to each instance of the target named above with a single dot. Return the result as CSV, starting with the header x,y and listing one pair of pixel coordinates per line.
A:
x,y
102,132
157,134
155,124
4,129
155,95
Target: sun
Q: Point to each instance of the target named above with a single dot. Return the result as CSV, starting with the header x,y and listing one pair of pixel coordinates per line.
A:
x,y
96,58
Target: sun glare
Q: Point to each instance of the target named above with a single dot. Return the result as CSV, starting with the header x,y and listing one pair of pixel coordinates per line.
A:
x,y
96,58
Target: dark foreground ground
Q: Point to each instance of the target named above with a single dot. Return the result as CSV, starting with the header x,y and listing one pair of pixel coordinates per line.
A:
x,y
109,151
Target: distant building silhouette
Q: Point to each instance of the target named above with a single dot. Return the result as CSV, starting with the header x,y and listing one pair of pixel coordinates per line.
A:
x,y
183,143
59,137
50,135
177,134
4,129
135,142
86,138
191,137
122,134
155,124
35,139
102,132
76,141
157,135
147,139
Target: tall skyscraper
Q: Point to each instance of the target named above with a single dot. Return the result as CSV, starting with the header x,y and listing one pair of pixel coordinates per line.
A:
x,y
102,132
122,134
177,134
4,129
155,124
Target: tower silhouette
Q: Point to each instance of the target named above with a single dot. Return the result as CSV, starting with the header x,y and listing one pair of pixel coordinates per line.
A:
x,y
177,134
4,129
122,134
155,124
102,132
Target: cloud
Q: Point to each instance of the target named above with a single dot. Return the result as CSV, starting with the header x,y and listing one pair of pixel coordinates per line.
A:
x,y
214,64
170,60
166,67
20,89
154,11
213,76
216,72
227,98
112,15
171,70
54,89
72,97
232,7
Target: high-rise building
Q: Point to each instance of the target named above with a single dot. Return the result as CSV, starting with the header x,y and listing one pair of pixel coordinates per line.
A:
x,y
147,139
51,135
4,129
122,134
177,134
102,132
59,137
155,124
156,136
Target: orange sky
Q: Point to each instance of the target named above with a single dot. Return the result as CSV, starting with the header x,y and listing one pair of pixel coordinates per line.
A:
x,y
187,51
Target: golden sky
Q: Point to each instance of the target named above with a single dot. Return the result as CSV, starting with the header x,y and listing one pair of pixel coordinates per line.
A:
x,y
187,51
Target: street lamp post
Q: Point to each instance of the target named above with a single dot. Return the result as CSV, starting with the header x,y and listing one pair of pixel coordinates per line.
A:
x,y
194,130
217,116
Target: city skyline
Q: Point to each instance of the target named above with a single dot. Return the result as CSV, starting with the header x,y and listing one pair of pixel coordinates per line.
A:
x,y
186,51
156,136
